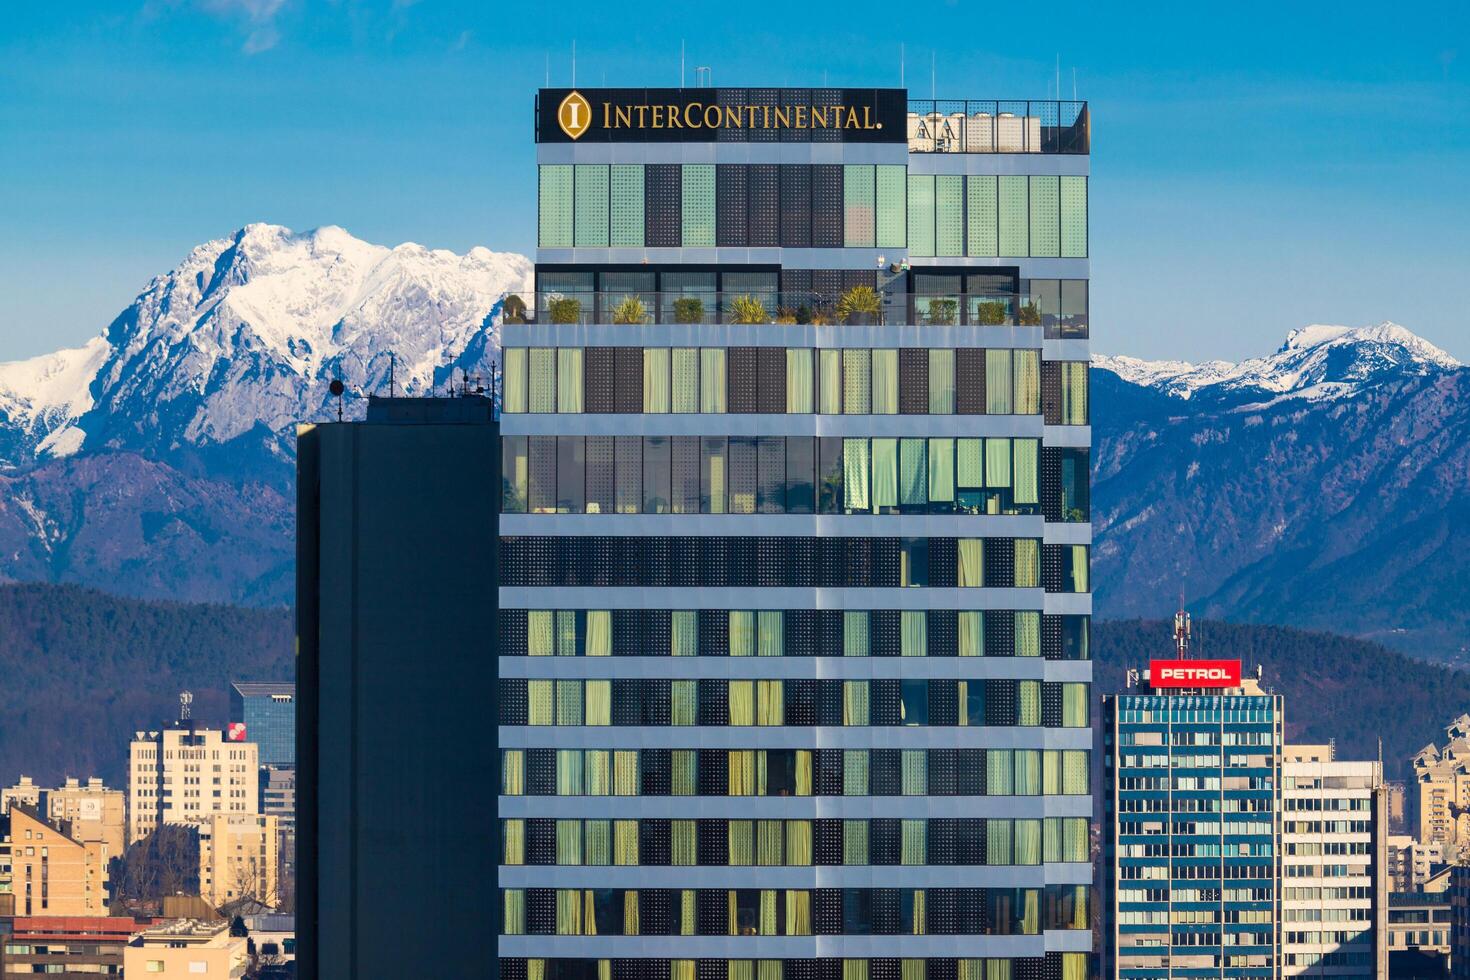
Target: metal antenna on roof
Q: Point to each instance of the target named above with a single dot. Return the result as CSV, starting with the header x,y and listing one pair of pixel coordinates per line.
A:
x,y
933,78
681,62
574,64
1059,76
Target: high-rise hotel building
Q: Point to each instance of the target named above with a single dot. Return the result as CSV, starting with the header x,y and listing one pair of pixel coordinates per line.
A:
x,y
794,676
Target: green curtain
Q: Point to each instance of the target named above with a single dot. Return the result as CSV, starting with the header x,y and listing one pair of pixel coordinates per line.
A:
x,y
568,912
1028,772
682,703
799,844
855,842
685,363
625,842
971,633
566,632
855,474
741,772
513,382
969,464
569,379
1077,554
599,703
1074,705
799,395
741,837
770,633
998,849
625,772
512,772
682,776
885,473
971,572
513,920
885,382
741,702
770,843
1028,703
915,772
941,470
854,703
543,379
913,471
1025,460
741,632
569,842
829,387
914,849
855,775
1000,771
514,851
1028,382
770,702
712,380
599,842
855,635
1028,563
1074,393
682,851
997,463
539,632
914,633
568,772
998,382
856,382
684,633
941,381
1075,781
656,393
540,703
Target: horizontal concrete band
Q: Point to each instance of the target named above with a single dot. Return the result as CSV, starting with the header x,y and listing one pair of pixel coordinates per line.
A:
x,y
777,597
798,668
802,525
834,876
1027,267
792,807
790,737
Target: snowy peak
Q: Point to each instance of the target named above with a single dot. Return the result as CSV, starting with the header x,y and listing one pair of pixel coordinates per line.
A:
x,y
1316,361
241,337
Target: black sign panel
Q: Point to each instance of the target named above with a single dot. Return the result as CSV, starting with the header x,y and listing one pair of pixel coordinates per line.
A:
x,y
692,115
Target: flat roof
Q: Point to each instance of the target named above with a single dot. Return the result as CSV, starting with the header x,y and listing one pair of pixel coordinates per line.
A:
x,y
254,689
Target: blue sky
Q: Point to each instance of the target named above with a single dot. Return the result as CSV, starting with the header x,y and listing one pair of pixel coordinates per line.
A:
x,y
1256,167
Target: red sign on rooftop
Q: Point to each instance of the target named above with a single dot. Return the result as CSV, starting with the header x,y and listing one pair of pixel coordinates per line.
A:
x,y
1193,673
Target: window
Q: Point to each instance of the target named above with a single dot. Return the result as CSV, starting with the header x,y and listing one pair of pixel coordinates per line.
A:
x,y
949,215
1045,217
699,205
859,228
591,197
892,204
1074,217
921,214
981,238
1012,211
627,205
885,382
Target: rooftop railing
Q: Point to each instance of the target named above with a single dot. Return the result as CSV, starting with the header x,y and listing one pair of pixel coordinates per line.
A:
x,y
773,307
965,126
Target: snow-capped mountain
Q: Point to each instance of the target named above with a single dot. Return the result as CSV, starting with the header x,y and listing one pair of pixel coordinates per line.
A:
x,y
1317,361
239,342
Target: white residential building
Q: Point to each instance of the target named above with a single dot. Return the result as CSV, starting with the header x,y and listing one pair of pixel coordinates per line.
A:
x,y
186,775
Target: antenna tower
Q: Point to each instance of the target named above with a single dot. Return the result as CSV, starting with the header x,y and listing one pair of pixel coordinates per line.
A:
x,y
1181,631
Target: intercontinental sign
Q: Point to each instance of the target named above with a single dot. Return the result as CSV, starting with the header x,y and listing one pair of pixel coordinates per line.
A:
x,y
724,115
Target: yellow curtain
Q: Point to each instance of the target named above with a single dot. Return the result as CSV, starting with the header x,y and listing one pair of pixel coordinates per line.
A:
x,y
1028,772
1074,705
921,915
741,772
535,970
742,633
732,910
685,362
599,633
762,773
569,379
771,702
829,386
941,381
739,969
604,970
625,772
625,842
1075,781
741,839
686,911
999,772
1025,455
569,842
972,970
599,703
768,970
799,842
998,842
589,913
568,912
1031,911
682,782
742,702
681,970
681,843
799,380
539,633
513,921
998,382
885,382
798,913
803,772
599,843
941,471
911,970
512,772
914,846
854,970
1028,703
769,841
1028,563
597,770
540,703
1078,559
1028,841
971,573
1074,392
915,771
1074,965
962,695
856,382
515,842
1028,633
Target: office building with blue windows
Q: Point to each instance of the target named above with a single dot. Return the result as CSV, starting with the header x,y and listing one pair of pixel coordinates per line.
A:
x,y
1192,814
265,713
794,594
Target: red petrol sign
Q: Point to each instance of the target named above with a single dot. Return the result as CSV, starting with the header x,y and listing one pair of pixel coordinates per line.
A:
x,y
1194,673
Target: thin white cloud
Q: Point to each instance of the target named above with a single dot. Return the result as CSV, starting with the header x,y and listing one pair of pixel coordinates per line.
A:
x,y
257,16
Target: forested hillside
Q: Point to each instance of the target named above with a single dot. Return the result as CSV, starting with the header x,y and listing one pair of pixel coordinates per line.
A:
x,y
80,671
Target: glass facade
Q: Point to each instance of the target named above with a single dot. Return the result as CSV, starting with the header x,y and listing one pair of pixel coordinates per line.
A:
x,y
1193,792
749,548
268,712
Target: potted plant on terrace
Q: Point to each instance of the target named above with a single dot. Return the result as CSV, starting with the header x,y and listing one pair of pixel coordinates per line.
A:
x,y
565,309
688,309
859,305
944,311
513,309
992,312
1030,315
748,309
630,310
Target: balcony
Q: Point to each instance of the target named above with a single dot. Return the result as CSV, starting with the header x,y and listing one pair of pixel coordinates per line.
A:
x,y
1056,312
963,126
